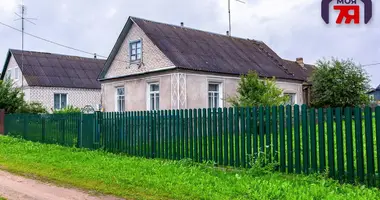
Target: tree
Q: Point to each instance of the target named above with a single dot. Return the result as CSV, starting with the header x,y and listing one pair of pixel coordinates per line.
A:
x,y
10,98
339,83
253,91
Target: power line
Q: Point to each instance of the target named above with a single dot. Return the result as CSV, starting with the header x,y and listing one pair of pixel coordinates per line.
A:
x,y
372,64
52,42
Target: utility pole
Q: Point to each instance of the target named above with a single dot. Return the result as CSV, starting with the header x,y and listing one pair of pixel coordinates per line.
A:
x,y
23,19
229,15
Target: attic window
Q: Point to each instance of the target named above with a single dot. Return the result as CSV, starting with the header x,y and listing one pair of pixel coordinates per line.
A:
x,y
135,50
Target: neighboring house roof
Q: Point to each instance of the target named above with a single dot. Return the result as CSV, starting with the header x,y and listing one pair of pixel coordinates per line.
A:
x,y
204,51
373,90
55,70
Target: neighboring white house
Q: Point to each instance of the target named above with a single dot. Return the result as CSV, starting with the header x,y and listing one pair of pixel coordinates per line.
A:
x,y
161,66
55,80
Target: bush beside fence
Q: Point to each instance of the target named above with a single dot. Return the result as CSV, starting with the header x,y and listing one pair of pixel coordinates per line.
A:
x,y
339,142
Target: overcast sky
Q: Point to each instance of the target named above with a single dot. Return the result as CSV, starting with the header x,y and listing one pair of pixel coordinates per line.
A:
x,y
292,28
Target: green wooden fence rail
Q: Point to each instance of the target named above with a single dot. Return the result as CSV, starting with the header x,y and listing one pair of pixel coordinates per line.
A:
x,y
343,143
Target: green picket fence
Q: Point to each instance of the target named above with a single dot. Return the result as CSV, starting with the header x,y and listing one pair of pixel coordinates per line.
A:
x,y
339,142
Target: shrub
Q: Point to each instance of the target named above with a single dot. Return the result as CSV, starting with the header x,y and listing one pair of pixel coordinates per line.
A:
x,y
33,107
68,109
253,91
11,98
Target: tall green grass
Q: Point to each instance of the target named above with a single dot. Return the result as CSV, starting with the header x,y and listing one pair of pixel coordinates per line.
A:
x,y
139,178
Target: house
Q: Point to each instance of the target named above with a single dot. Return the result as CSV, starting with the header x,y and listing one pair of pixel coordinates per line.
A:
x,y
54,80
161,66
374,94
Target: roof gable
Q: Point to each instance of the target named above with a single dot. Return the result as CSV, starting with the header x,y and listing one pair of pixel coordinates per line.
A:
x,y
55,70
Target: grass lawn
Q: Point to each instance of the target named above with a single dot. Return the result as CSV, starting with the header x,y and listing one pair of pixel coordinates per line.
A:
x,y
139,178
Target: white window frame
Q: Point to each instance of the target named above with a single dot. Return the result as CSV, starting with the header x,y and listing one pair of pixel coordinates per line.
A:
x,y
149,92
60,100
9,74
220,92
16,77
295,97
117,99
131,43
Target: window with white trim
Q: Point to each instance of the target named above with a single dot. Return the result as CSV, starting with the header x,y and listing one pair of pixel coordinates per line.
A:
x,y
9,74
292,98
154,96
60,101
16,73
214,95
120,99
135,50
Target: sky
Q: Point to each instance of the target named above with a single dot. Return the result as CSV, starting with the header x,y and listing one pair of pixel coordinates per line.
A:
x,y
292,28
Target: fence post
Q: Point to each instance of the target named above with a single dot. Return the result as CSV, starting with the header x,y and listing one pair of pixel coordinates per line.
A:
x,y
2,121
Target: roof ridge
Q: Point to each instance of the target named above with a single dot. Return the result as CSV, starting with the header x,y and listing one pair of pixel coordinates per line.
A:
x,y
185,27
57,54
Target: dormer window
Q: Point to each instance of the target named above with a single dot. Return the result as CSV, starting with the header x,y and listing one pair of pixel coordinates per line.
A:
x,y
135,51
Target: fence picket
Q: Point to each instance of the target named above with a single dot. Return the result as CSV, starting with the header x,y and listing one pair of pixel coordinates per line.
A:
x,y
321,140
369,146
339,143
220,136
231,132
305,139
330,140
205,133
249,133
236,135
313,141
200,135
225,136
359,144
268,135
289,131
297,139
215,134
282,139
242,136
349,145
377,121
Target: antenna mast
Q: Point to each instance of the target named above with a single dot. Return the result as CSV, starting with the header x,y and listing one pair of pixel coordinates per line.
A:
x,y
23,19
229,15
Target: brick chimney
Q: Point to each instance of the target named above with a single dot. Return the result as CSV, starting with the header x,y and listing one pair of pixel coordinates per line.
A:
x,y
300,62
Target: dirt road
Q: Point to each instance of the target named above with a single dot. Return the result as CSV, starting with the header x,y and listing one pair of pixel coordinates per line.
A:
x,y
14,187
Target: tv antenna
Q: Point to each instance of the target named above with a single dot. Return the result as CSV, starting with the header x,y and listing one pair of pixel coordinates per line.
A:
x,y
23,19
229,14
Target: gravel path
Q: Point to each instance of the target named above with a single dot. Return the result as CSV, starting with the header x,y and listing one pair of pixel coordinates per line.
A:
x,y
13,187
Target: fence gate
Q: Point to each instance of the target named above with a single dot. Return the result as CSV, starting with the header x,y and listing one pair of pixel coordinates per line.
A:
x,y
2,117
87,131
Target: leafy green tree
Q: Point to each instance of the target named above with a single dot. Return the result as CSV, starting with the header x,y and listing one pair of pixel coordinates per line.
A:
x,y
11,98
253,91
339,83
